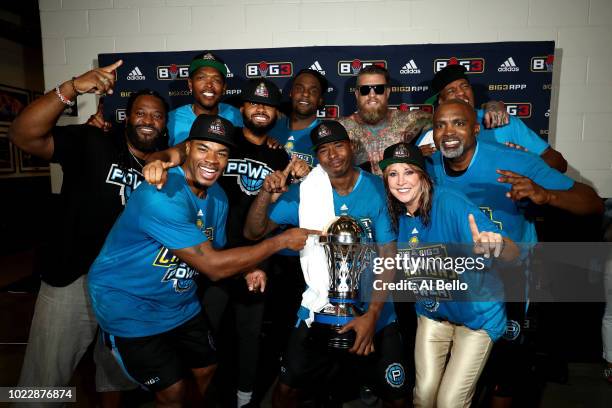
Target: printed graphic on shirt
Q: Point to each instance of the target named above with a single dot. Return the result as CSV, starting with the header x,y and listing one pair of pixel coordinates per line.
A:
x,y
179,273
127,180
250,174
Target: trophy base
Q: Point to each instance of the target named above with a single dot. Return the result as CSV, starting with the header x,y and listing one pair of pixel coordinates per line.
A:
x,y
326,335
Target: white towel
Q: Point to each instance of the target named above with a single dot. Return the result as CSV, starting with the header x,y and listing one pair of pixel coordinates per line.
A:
x,y
315,212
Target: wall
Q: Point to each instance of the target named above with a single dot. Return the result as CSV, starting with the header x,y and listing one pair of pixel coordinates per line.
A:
x,y
75,31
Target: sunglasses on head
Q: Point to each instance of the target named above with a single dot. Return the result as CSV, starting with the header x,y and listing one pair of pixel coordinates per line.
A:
x,y
378,89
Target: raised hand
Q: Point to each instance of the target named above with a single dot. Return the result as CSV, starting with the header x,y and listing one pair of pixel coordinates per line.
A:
x,y
523,187
97,119
495,114
156,172
300,168
277,182
99,80
485,242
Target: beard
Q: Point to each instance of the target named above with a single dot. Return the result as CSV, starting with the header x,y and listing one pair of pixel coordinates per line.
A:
x,y
372,116
258,130
145,145
452,153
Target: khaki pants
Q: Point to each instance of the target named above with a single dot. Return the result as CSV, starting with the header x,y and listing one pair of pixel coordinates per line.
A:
x,y
445,381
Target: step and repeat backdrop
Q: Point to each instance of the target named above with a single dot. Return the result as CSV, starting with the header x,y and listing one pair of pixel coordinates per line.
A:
x,y
517,73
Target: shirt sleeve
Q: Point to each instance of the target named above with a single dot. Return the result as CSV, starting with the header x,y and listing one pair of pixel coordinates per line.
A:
x,y
285,211
67,144
526,137
544,175
166,220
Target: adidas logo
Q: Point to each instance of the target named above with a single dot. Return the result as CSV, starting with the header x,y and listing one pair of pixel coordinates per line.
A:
x,y
317,67
415,231
410,68
135,75
344,207
200,213
229,73
508,66
291,138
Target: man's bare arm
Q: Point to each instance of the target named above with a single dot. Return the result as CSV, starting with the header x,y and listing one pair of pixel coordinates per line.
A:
x,y
418,121
30,131
219,264
258,224
554,159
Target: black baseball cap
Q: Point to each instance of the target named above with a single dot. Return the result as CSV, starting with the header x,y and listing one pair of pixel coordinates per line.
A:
x,y
207,59
213,128
445,76
259,90
327,131
402,153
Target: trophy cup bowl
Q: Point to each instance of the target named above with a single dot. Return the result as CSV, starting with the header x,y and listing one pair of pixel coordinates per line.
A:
x,y
348,252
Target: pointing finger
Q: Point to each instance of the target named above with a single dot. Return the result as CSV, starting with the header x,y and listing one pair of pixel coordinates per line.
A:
x,y
113,66
473,228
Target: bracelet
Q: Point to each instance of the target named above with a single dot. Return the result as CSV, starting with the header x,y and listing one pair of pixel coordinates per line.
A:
x,y
76,91
62,98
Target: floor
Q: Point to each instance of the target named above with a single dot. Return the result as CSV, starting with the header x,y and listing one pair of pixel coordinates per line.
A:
x,y
585,387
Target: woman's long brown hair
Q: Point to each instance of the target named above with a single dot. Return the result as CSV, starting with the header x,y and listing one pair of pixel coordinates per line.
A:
x,y
397,208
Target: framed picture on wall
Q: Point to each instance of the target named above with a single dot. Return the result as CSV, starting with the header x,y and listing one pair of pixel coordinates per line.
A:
x,y
31,164
7,157
12,101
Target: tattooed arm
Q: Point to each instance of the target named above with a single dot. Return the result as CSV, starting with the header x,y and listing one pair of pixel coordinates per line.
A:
x,y
416,122
258,224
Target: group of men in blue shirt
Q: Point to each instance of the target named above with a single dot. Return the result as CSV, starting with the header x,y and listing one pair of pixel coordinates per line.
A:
x,y
152,321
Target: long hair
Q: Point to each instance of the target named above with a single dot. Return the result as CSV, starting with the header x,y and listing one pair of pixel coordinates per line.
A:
x,y
397,208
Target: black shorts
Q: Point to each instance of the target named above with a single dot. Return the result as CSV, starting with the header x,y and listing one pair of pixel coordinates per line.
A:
x,y
156,362
387,371
509,363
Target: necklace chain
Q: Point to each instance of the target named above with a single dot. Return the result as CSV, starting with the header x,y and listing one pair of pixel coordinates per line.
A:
x,y
135,158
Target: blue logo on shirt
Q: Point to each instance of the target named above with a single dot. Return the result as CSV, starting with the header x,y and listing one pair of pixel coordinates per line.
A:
x,y
250,174
395,375
181,276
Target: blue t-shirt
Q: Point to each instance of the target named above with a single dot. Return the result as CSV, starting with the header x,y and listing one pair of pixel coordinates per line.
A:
x,y
366,203
137,286
479,183
449,226
514,132
296,142
181,119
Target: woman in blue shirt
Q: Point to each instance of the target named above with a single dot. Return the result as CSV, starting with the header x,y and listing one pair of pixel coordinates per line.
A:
x,y
455,334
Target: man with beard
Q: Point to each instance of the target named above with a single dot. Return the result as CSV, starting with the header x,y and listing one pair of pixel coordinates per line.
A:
x,y
207,74
452,83
500,180
100,172
250,162
293,131
374,127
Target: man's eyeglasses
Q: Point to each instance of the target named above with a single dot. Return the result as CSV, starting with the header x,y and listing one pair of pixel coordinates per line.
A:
x,y
378,89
